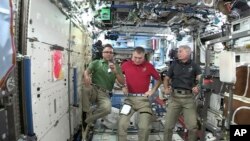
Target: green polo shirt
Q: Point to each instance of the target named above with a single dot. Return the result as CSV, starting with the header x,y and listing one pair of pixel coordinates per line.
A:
x,y
100,75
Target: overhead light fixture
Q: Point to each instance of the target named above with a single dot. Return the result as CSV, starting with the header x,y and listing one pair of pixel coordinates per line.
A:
x,y
186,29
182,32
208,3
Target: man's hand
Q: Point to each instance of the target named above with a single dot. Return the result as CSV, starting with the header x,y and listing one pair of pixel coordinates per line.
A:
x,y
125,90
196,89
149,93
87,78
112,67
87,81
168,90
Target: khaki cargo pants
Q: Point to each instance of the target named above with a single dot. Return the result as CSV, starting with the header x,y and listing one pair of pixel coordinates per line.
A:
x,y
178,103
141,105
98,97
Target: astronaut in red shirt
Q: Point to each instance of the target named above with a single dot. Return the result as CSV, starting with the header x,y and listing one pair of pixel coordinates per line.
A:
x,y
138,73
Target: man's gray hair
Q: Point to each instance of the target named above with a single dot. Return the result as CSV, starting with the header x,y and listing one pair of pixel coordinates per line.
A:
x,y
187,48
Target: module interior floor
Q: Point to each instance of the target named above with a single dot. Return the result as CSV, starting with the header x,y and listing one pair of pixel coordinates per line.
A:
x,y
111,136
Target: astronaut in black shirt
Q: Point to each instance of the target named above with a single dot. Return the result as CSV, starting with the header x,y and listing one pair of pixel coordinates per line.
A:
x,y
180,82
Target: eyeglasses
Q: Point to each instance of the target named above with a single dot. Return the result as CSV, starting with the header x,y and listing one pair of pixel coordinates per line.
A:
x,y
110,52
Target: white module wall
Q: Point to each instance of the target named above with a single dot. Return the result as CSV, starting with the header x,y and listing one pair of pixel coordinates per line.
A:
x,y
49,91
81,44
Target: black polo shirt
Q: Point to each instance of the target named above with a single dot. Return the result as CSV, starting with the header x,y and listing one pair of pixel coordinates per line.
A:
x,y
183,75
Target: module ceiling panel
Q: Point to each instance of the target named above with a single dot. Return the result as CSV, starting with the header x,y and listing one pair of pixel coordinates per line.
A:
x,y
135,29
132,15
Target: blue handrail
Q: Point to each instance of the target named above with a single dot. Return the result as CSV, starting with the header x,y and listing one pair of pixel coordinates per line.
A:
x,y
28,100
75,86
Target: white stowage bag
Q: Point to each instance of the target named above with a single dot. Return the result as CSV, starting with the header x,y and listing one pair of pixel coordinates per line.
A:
x,y
110,121
227,67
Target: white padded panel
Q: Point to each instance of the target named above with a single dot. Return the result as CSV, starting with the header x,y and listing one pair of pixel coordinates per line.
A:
x,y
227,67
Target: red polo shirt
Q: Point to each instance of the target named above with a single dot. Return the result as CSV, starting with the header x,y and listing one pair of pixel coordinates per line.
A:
x,y
138,76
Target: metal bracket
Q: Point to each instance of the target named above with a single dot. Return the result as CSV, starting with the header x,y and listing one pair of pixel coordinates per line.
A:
x,y
19,57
